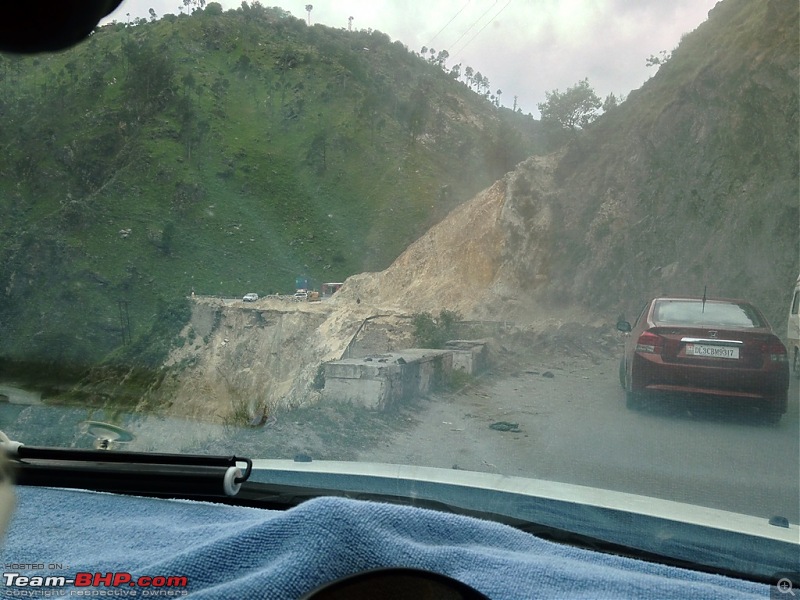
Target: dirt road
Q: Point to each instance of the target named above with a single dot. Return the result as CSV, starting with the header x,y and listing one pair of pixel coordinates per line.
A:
x,y
570,424
496,423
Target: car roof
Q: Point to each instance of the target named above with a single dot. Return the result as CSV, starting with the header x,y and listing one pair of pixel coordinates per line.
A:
x,y
700,298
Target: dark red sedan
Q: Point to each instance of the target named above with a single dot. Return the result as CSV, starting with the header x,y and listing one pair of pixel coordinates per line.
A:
x,y
705,346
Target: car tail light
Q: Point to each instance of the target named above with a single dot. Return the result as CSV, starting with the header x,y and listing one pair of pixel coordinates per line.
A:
x,y
775,350
649,343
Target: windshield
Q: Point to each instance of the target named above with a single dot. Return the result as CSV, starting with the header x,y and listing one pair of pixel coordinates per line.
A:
x,y
382,235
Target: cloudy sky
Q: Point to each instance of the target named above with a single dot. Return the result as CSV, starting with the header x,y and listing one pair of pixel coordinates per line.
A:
x,y
524,47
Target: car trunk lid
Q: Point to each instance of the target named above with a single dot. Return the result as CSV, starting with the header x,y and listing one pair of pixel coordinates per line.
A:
x,y
715,346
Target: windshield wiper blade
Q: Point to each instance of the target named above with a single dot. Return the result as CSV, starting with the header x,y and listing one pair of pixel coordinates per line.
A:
x,y
129,472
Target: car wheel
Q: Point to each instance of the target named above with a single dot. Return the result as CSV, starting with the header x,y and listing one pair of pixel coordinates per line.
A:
x,y
771,417
772,414
633,400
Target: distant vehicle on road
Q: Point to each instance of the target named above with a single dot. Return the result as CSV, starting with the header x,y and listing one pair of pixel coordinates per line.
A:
x,y
793,329
251,297
712,348
301,295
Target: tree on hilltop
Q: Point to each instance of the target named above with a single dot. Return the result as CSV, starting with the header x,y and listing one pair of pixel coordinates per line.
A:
x,y
573,109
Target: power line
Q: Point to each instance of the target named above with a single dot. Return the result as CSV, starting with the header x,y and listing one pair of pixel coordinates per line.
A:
x,y
474,23
485,26
448,23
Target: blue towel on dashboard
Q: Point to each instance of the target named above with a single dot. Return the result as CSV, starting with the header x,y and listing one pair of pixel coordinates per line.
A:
x,y
236,552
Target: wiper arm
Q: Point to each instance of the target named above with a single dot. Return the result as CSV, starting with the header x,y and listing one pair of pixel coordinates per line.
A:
x,y
128,472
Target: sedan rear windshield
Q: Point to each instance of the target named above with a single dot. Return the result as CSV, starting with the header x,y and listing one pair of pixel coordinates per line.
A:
x,y
695,312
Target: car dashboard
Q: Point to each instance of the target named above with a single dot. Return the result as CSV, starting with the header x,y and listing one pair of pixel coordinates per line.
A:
x,y
79,542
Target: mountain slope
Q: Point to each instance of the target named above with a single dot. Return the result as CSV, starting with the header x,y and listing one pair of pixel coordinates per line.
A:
x,y
690,184
225,153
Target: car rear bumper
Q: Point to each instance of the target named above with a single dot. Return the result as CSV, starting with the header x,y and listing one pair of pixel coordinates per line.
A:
x,y
651,373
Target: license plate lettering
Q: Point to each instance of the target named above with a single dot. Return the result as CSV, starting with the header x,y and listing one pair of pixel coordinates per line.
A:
x,y
709,351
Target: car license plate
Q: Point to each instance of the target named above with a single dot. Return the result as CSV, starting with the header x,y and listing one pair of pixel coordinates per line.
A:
x,y
709,351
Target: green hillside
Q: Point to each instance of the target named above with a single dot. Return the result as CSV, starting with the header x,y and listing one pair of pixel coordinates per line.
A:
x,y
692,183
225,153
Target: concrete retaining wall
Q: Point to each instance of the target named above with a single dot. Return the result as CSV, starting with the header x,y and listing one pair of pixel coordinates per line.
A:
x,y
470,356
380,381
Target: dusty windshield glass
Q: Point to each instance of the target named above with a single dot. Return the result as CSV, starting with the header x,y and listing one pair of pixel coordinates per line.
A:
x,y
308,233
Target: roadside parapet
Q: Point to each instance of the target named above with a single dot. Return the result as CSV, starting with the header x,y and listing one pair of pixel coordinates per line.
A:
x,y
379,381
382,380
